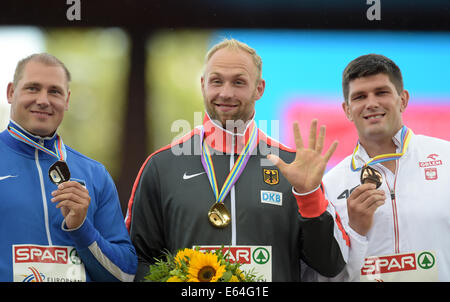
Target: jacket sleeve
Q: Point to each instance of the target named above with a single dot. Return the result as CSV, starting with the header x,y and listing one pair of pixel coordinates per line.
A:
x,y
103,242
145,218
351,271
356,254
324,242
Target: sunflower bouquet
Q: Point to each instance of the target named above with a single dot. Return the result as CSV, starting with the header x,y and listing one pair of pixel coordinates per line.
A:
x,y
191,265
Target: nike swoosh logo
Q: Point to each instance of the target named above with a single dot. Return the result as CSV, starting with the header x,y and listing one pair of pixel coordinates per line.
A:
x,y
7,176
192,175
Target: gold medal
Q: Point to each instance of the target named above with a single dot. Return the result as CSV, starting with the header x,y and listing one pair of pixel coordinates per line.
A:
x,y
370,175
218,215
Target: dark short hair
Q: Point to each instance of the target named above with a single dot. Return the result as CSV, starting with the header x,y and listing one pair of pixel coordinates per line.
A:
x,y
44,58
368,65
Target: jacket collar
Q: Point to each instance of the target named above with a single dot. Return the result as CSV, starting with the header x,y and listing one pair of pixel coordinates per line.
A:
x,y
23,147
224,140
362,157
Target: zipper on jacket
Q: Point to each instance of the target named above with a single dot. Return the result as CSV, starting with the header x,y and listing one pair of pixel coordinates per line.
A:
x,y
395,217
394,208
44,195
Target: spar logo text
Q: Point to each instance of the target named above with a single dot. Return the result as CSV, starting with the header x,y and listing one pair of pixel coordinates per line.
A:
x,y
32,253
389,264
233,254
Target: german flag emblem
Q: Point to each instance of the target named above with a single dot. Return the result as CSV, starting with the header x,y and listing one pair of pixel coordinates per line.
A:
x,y
271,176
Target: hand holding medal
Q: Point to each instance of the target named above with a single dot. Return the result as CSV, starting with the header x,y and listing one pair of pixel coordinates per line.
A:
x,y
361,206
73,199
366,198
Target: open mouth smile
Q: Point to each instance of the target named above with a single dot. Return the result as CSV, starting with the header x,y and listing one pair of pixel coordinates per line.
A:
x,y
374,116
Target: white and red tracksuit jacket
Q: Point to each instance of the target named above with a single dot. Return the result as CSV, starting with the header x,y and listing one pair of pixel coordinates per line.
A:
x,y
414,219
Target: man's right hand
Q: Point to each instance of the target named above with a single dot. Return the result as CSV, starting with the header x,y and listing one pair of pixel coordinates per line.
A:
x,y
361,206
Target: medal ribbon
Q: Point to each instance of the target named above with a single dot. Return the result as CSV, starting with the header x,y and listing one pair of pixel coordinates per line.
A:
x,y
60,150
235,172
405,137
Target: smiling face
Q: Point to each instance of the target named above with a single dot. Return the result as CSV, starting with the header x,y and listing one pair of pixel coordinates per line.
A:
x,y
375,107
230,86
39,99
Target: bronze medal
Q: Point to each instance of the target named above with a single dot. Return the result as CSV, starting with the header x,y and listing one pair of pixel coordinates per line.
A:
x,y
219,216
370,175
59,172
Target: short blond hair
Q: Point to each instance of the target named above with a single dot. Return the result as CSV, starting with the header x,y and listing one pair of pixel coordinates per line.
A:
x,y
234,44
44,58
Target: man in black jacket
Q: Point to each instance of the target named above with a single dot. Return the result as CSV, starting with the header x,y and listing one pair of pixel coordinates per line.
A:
x,y
215,187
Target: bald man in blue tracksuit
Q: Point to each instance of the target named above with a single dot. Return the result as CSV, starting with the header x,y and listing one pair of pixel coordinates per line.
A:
x,y
68,231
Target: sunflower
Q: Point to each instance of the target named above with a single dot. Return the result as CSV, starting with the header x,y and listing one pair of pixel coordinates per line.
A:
x,y
205,267
185,255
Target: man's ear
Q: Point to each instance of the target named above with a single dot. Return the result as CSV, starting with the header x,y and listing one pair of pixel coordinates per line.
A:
x,y
346,109
404,96
66,105
202,85
10,92
260,87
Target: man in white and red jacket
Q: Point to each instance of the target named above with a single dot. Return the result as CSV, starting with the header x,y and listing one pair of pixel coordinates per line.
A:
x,y
399,230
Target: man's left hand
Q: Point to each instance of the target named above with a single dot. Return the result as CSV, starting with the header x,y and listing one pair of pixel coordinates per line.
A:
x,y
306,171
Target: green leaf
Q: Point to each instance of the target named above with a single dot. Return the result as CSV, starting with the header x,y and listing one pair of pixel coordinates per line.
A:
x,y
227,276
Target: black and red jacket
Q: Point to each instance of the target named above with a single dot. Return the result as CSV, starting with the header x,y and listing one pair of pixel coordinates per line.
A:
x,y
172,195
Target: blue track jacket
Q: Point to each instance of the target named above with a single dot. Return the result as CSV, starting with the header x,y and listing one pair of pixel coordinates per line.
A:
x,y
32,229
